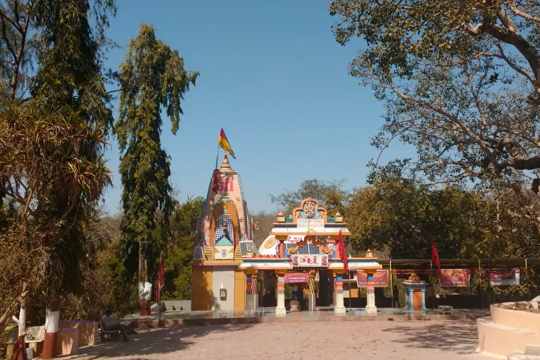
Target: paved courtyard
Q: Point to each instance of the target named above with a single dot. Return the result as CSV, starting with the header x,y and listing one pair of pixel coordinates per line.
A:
x,y
302,339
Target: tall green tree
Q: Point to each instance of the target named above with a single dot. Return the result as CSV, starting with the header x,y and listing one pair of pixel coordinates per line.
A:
x,y
54,118
71,83
152,79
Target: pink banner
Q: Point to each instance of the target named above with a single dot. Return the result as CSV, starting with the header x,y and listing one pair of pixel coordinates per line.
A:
x,y
378,279
455,277
296,278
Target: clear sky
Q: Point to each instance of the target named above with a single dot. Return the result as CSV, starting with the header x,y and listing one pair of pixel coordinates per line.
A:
x,y
273,76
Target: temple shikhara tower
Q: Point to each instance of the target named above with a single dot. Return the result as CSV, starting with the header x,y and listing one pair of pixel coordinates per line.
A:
x,y
224,230
302,264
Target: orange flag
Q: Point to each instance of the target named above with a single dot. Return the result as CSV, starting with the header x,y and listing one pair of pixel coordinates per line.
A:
x,y
225,144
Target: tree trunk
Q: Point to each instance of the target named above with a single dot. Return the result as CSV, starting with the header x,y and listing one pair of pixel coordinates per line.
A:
x,y
22,319
52,324
20,348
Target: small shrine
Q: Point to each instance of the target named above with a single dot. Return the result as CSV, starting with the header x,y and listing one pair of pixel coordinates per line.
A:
x,y
305,251
416,293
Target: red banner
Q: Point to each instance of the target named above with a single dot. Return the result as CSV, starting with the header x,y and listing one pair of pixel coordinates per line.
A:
x,y
455,277
377,279
296,278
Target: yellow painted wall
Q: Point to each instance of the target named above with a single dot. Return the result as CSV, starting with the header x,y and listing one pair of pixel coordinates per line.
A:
x,y
239,291
201,289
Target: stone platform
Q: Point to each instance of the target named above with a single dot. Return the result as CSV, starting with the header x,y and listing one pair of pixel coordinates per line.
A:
x,y
508,331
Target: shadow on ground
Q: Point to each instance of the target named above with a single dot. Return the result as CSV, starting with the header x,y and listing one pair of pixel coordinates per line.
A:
x,y
458,337
154,342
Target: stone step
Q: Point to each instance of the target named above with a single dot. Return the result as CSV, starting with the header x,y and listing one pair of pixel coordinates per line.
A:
x,y
532,350
523,357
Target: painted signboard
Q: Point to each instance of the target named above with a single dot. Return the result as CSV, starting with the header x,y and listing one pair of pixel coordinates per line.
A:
x,y
304,260
376,279
223,252
311,223
455,277
504,277
296,278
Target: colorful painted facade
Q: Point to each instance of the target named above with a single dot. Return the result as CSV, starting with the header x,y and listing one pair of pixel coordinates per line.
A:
x,y
305,248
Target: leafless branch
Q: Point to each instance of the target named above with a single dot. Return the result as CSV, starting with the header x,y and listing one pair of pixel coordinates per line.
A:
x,y
517,11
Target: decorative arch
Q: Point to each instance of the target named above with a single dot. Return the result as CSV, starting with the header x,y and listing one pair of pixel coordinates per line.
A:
x,y
309,209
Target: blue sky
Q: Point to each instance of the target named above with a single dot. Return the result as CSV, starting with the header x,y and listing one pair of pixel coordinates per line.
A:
x,y
273,76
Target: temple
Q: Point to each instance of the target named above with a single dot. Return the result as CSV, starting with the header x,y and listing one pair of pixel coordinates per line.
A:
x,y
301,265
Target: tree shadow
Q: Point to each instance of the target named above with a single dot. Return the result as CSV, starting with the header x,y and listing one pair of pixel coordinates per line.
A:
x,y
152,342
457,337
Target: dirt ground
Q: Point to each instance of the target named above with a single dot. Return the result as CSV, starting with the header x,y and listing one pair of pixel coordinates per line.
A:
x,y
300,339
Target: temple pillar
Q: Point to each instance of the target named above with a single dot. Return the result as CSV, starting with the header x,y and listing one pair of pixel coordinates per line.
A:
x,y
280,294
339,305
371,307
311,287
252,292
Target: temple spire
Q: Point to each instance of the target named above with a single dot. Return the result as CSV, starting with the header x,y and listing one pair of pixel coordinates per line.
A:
x,y
225,167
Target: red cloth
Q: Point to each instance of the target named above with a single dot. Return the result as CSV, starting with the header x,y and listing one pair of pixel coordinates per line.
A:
x,y
342,251
160,281
19,353
435,259
216,181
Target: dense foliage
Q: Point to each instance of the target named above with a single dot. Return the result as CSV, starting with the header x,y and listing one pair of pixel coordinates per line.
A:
x,y
106,285
329,194
179,255
403,218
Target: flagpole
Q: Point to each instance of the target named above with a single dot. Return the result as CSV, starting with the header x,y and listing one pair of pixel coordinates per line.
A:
x,y
217,155
391,282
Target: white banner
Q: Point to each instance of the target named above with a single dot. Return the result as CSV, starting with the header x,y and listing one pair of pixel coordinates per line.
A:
x,y
302,260
293,239
310,223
